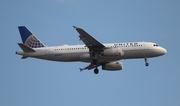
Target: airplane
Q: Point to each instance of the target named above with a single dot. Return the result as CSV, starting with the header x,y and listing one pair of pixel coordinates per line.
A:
x,y
93,52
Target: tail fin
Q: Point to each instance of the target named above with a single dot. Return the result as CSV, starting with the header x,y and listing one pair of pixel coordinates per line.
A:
x,y
29,39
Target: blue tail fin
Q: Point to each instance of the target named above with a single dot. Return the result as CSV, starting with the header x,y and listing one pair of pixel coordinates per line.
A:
x,y
29,38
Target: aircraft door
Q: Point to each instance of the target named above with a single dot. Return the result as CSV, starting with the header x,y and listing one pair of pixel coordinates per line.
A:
x,y
145,46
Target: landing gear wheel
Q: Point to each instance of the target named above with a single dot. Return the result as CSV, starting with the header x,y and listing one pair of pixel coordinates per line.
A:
x,y
147,64
146,61
96,71
94,61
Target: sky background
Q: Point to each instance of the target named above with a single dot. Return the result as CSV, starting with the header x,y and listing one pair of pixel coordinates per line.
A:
x,y
33,82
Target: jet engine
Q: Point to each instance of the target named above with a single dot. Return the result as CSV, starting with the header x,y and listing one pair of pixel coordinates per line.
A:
x,y
112,66
112,52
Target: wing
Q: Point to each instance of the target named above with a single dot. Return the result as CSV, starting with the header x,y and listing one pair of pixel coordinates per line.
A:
x,y
88,40
95,47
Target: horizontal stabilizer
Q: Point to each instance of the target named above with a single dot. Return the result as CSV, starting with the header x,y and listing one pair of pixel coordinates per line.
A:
x,y
25,48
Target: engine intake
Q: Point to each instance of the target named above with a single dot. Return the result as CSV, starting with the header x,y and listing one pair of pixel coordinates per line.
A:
x,y
112,66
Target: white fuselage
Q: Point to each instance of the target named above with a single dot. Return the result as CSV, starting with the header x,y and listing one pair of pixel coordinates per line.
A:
x,y
72,53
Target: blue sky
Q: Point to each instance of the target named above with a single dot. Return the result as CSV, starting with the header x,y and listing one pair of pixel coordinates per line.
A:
x,y
33,82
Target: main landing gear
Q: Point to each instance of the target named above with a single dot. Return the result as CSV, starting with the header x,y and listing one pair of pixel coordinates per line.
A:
x,y
146,61
96,71
95,61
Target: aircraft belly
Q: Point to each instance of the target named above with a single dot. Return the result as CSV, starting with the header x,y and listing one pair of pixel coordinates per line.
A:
x,y
101,58
69,57
108,59
141,53
132,54
65,57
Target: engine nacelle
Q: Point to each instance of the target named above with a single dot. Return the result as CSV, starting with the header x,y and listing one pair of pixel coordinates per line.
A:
x,y
112,52
112,66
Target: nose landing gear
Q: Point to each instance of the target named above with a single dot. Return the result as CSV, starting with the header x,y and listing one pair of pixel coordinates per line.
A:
x,y
147,64
146,61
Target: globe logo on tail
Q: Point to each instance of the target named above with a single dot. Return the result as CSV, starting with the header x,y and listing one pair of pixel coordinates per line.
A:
x,y
33,42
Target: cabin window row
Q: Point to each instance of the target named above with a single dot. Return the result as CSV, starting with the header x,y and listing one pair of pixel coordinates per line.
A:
x,y
127,46
155,45
69,49
86,48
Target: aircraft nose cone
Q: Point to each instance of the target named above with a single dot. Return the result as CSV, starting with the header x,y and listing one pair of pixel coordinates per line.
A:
x,y
164,51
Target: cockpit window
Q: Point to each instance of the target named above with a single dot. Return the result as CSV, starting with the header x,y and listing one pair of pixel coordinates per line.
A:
x,y
155,45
